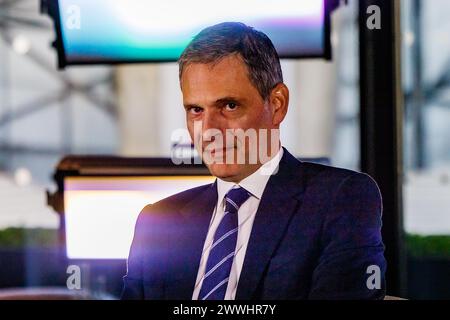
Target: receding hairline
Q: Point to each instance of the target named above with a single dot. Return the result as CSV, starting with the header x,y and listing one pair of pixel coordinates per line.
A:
x,y
213,63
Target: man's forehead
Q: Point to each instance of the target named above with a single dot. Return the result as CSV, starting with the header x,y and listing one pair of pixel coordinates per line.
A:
x,y
211,82
228,68
234,59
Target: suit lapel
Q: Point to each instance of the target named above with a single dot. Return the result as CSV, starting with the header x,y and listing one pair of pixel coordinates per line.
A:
x,y
188,241
277,206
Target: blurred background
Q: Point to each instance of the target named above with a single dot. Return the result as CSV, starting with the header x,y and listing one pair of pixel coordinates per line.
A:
x,y
132,111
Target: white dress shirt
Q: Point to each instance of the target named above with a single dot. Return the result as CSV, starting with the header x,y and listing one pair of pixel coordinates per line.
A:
x,y
255,185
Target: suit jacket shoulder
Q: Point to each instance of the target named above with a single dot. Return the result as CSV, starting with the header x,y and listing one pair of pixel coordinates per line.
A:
x,y
175,202
322,180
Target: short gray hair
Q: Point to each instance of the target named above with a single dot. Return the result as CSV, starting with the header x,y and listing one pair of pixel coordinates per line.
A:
x,y
256,49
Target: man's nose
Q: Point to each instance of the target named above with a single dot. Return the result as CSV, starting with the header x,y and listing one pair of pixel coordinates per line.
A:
x,y
211,120
213,127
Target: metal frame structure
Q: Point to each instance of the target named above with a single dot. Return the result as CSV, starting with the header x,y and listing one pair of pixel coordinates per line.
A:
x,y
381,121
13,16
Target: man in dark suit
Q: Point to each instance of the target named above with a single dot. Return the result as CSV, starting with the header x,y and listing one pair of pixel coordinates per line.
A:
x,y
270,228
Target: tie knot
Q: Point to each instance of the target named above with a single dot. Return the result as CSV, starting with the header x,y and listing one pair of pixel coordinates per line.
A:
x,y
237,197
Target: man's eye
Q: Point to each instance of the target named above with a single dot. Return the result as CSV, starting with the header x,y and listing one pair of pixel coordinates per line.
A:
x,y
195,110
231,106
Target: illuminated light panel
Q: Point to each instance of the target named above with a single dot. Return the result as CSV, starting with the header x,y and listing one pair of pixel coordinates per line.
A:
x,y
129,30
101,213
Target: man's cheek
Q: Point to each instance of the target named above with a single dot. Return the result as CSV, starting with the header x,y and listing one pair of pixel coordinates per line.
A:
x,y
191,132
191,129
196,137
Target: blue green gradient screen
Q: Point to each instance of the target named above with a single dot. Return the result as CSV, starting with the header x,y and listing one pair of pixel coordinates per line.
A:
x,y
102,31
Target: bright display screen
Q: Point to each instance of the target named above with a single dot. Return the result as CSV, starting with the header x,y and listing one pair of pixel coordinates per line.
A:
x,y
103,31
101,213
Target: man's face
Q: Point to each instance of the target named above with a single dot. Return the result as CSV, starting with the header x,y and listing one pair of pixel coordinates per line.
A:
x,y
221,96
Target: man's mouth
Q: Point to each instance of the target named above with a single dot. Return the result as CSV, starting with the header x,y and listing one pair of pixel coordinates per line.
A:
x,y
218,152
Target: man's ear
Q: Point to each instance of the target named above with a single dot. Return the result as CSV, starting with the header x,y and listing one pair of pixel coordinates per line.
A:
x,y
279,100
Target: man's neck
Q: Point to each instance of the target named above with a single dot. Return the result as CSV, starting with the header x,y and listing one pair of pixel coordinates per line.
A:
x,y
253,169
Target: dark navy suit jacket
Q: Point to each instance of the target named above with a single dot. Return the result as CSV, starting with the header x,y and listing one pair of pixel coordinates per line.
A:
x,y
316,232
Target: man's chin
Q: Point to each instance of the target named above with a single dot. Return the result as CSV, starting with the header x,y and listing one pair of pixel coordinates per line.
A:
x,y
226,172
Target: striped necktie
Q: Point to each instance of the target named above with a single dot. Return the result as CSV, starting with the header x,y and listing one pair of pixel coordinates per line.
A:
x,y
221,254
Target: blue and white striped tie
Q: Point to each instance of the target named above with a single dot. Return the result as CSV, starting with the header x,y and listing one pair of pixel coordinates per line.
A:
x,y
220,259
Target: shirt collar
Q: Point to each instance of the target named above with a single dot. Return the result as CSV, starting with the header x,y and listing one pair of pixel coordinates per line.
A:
x,y
254,183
